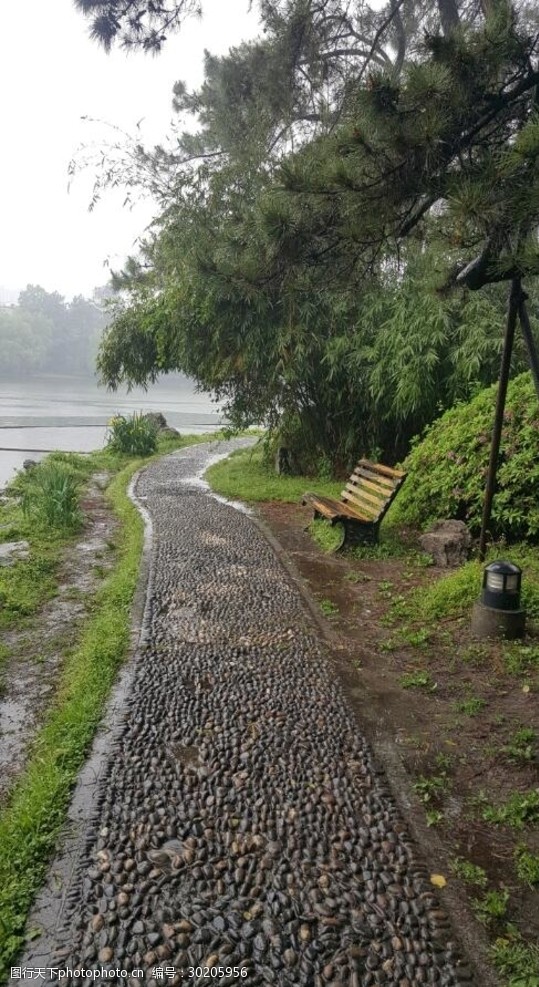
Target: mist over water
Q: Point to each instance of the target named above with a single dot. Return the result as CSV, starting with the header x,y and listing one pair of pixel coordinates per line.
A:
x,y
44,413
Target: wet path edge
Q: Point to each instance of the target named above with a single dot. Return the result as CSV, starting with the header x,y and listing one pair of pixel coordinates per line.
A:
x,y
343,900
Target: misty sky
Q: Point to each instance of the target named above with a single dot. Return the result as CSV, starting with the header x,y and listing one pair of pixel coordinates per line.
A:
x,y
51,74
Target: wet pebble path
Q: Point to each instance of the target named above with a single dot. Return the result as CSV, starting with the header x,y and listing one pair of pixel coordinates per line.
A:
x,y
243,834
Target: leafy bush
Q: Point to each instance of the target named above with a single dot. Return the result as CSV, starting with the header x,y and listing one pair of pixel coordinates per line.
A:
x,y
50,495
447,469
135,436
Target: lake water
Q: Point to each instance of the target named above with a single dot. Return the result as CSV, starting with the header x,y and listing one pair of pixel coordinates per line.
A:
x,y
41,414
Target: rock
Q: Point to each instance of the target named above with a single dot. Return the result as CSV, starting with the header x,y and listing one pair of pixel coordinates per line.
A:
x,y
448,542
29,464
160,422
157,419
13,551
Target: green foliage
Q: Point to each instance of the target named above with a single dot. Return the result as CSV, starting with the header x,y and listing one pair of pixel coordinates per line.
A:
x,y
527,866
328,536
328,608
521,809
430,789
470,706
469,873
522,745
449,596
245,475
516,960
520,658
447,468
420,679
135,436
492,907
51,495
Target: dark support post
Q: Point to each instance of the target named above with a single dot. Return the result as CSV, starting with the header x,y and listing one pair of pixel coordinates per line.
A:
x,y
533,356
512,312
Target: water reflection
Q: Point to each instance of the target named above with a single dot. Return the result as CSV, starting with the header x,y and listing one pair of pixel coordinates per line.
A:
x,y
40,414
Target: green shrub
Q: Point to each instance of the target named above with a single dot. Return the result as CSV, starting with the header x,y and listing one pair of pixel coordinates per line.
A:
x,y
135,436
447,468
50,495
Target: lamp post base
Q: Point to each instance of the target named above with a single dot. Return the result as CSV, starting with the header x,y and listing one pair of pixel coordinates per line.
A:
x,y
488,622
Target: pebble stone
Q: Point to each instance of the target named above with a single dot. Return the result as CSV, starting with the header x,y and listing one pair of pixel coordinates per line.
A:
x,y
242,821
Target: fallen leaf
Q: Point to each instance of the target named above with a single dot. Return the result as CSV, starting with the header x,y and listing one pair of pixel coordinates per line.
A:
x,y
438,880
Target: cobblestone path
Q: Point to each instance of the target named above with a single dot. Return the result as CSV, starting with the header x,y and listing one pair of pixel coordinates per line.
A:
x,y
243,834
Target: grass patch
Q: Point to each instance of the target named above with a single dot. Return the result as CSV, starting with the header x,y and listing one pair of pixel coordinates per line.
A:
x,y
519,659
520,809
328,536
522,746
492,906
455,594
432,788
527,866
328,608
516,961
470,706
246,476
33,817
469,873
420,679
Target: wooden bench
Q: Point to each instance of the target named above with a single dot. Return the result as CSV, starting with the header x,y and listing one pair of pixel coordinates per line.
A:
x,y
368,493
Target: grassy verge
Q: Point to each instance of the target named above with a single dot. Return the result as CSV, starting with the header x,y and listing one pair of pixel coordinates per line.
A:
x,y
245,476
33,817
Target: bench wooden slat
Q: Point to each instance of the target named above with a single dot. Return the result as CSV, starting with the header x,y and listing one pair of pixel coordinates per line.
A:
x,y
333,508
365,499
360,502
384,470
380,482
377,500
362,506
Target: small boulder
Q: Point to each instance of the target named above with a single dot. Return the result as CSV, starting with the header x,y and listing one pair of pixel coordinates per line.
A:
x,y
157,419
448,542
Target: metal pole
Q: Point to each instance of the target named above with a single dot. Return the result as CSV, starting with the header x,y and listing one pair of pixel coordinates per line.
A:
x,y
512,312
533,356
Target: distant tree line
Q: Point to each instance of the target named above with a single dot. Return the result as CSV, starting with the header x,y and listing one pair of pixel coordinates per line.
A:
x,y
45,334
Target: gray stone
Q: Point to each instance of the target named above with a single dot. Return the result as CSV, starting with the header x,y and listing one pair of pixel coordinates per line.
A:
x,y
29,464
157,418
448,542
160,422
12,551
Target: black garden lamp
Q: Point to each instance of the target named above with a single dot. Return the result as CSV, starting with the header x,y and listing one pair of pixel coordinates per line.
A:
x,y
498,612
501,586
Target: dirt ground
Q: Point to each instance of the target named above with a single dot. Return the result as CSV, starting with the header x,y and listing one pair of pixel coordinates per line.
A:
x,y
449,737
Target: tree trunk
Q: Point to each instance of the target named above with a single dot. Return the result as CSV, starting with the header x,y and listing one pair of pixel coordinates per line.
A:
x,y
449,15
